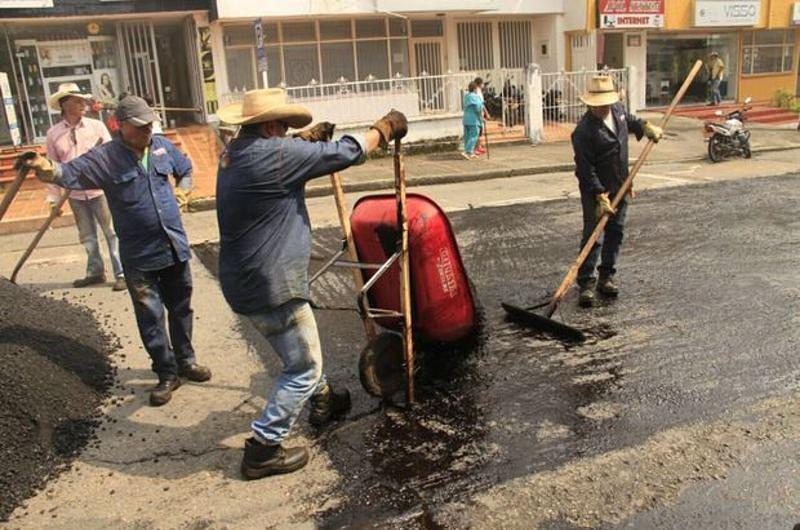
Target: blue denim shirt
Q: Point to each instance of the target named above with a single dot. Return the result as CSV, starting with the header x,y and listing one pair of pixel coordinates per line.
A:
x,y
146,216
265,232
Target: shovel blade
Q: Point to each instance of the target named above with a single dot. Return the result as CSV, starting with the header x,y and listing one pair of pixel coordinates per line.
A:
x,y
533,320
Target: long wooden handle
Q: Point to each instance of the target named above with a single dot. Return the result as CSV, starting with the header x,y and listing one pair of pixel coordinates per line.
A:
x,y
347,233
626,185
486,139
54,212
12,190
405,269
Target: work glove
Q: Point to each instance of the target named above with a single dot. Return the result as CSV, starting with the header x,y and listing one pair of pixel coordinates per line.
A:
x,y
321,132
393,126
182,198
603,206
653,132
44,168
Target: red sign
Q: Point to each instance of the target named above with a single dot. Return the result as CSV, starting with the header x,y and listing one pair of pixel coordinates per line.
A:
x,y
631,14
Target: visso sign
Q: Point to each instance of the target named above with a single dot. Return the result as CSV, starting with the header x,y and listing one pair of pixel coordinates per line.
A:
x,y
714,13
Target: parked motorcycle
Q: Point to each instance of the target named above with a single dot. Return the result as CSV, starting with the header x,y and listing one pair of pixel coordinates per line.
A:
x,y
730,138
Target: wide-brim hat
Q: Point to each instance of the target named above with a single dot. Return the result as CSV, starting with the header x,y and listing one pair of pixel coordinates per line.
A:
x,y
268,104
66,90
600,92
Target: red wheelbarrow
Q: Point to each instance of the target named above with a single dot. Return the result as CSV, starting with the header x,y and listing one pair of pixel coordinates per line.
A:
x,y
402,248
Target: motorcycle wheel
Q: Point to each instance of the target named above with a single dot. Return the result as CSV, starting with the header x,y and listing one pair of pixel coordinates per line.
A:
x,y
746,151
714,149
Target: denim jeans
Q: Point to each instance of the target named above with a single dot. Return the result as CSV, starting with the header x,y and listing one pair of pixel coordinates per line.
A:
x,y
611,239
291,329
88,214
716,96
152,292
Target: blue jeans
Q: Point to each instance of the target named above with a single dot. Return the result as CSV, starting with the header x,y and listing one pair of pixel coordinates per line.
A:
x,y
716,96
611,239
152,292
471,133
88,214
291,329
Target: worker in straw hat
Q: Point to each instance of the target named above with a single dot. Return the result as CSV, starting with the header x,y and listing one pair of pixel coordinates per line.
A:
x,y
600,144
73,136
265,247
133,170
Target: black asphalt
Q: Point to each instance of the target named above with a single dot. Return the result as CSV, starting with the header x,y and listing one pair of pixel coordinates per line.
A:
x,y
705,324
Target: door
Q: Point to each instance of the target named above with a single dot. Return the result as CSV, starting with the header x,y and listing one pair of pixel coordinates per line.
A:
x,y
141,72
428,68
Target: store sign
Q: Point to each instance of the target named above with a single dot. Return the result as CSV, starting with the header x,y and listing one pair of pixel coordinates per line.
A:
x,y
796,14
8,106
54,54
631,14
27,4
713,13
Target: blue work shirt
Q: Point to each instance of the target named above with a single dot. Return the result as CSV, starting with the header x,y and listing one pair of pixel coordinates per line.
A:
x,y
265,231
146,216
473,110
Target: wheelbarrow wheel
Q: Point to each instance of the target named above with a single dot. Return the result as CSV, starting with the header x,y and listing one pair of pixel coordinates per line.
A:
x,y
381,367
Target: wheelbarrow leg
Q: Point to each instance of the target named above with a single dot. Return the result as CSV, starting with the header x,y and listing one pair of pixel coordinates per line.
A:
x,y
405,273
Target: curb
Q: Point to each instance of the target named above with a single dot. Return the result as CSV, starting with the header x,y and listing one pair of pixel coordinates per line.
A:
x,y
209,203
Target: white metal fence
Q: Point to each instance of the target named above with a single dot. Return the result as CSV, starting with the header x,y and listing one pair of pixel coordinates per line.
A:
x,y
561,104
504,96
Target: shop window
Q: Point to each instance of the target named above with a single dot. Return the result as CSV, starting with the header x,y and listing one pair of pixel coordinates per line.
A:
x,y
337,62
400,57
299,32
239,35
301,64
768,52
241,68
398,27
335,30
372,59
370,28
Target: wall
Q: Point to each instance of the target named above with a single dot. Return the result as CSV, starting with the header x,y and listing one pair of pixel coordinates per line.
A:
x,y
548,29
73,8
575,14
529,7
636,57
423,128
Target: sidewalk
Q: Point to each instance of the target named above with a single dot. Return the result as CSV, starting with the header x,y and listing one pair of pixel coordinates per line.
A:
x,y
683,142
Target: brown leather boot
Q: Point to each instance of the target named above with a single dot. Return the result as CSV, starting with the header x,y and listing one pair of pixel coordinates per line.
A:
x,y
607,286
162,392
262,460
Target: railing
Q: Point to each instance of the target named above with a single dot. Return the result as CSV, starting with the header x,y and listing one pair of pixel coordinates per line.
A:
x,y
561,104
347,102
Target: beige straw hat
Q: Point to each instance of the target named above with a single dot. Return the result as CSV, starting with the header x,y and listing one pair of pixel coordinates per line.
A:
x,y
262,105
66,90
601,92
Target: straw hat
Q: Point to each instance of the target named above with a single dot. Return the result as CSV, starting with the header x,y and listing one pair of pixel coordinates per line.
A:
x,y
66,90
267,104
601,92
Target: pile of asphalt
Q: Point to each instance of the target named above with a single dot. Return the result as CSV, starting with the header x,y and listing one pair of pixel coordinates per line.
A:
x,y
54,374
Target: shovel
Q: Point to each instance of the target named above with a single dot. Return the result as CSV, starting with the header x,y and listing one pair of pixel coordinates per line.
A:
x,y
12,190
55,211
545,323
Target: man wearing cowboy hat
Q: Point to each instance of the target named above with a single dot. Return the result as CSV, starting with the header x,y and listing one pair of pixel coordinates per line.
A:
x,y
68,139
265,247
600,144
133,170
716,71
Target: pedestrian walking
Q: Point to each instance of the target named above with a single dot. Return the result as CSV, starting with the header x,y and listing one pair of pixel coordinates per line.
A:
x,y
73,136
716,71
133,171
472,120
265,247
482,148
600,145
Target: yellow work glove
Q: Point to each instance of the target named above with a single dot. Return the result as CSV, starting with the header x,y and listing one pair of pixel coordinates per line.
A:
x,y
182,198
603,206
653,132
321,132
44,168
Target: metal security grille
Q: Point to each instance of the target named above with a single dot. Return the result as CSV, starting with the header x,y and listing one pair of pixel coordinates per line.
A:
x,y
428,59
475,46
141,74
516,44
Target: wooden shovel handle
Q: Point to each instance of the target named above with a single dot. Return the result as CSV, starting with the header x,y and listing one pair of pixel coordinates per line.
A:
x,y
12,190
405,268
626,185
54,212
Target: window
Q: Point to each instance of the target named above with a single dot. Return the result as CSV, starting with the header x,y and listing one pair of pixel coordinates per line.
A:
x,y
515,44
768,52
475,46
324,51
427,28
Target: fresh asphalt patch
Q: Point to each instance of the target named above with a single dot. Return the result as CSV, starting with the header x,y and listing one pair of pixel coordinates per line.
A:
x,y
705,325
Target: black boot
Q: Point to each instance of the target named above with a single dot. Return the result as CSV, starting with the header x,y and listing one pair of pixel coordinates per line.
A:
x,y
607,286
262,460
162,392
586,296
327,405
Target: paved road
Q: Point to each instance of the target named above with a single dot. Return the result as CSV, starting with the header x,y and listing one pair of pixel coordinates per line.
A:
x,y
682,411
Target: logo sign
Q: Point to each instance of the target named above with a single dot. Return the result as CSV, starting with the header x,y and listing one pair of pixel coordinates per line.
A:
x,y
10,4
713,13
631,14
8,106
796,14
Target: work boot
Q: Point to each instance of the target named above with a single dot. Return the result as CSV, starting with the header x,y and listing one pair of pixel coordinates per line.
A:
x,y
119,284
162,392
327,405
607,286
586,296
194,372
262,460
90,280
